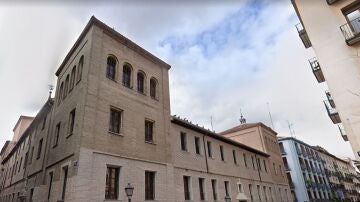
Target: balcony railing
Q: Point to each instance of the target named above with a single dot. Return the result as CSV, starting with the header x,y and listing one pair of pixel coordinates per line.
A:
x,y
316,69
351,31
303,35
332,112
342,132
330,99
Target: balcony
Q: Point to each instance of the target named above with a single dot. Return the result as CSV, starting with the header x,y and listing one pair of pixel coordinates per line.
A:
x,y
316,69
303,35
332,112
330,99
351,31
342,132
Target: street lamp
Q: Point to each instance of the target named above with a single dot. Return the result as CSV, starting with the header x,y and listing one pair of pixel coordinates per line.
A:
x,y
227,198
129,191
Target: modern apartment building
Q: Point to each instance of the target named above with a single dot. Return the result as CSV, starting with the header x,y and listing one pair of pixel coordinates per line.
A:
x,y
110,125
305,171
332,29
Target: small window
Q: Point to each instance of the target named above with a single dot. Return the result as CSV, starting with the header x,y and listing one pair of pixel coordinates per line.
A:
x,y
201,188
149,185
66,88
245,160
149,131
240,189
71,122
209,149
234,157
252,161
153,88
72,78
187,193
197,145
111,68
264,162
214,191
64,182
226,184
43,123
50,184
112,183
258,164
222,153
39,149
80,68
140,82
57,134
127,75
61,92
115,120
183,141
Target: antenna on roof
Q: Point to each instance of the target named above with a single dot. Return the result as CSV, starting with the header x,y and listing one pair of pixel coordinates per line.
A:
x,y
242,119
51,88
272,123
291,129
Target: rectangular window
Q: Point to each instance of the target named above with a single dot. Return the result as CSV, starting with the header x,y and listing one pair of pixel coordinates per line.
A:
x,y
112,183
266,199
183,141
31,155
26,159
251,193
149,185
253,163
149,130
226,184
201,189
39,149
115,120
31,194
50,184
71,122
213,186
209,149
245,161
240,188
197,145
258,164
265,165
20,164
57,134
65,176
43,123
187,187
222,153
259,192
234,157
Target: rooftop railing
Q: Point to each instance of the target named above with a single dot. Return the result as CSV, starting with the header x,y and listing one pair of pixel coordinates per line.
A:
x,y
351,31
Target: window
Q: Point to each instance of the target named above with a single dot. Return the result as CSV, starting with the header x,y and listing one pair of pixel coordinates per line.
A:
x,y
111,68
149,130
31,194
72,78
39,149
209,149
66,88
140,82
259,192
71,122
183,141
57,134
43,124
245,161
80,68
65,176
234,156
149,185
251,194
50,184
226,184
213,186
222,153
258,164
153,84
20,164
31,155
264,162
201,189
112,183
197,145
240,189
186,187
61,92
253,163
26,159
115,120
127,75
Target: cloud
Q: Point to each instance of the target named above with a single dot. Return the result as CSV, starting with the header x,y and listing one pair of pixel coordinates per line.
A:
x,y
224,57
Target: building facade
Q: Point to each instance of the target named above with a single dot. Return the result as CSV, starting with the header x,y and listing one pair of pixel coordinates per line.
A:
x,y
331,28
110,125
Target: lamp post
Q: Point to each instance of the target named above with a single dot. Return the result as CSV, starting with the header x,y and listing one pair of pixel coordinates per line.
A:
x,y
129,189
227,198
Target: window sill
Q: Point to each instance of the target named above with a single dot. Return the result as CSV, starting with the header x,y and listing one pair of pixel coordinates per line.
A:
x,y
141,93
129,87
185,151
54,146
111,79
200,155
155,98
150,142
116,134
69,135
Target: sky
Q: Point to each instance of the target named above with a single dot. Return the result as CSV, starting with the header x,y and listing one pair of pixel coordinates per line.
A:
x,y
226,57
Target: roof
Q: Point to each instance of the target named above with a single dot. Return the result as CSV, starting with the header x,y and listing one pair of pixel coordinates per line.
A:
x,y
246,126
43,111
187,124
116,35
21,118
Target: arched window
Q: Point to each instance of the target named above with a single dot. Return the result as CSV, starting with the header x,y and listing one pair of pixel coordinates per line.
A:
x,y
72,77
153,86
80,68
66,88
61,91
127,75
141,82
111,68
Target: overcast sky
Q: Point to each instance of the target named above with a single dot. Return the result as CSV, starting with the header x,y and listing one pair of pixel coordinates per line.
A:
x,y
224,57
